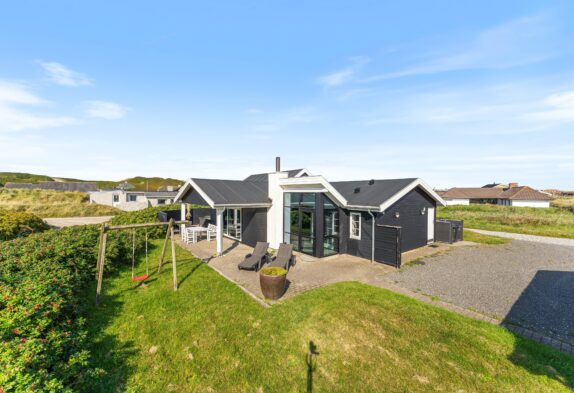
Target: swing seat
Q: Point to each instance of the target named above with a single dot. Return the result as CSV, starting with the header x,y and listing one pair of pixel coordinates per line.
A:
x,y
141,278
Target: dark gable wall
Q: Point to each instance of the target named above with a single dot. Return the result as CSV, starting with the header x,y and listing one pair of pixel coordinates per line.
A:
x,y
253,226
414,225
192,196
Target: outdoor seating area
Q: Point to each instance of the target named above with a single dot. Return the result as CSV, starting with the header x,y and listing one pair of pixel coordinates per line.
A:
x,y
194,233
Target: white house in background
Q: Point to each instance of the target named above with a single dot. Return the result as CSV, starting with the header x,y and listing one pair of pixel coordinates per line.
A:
x,y
132,200
513,195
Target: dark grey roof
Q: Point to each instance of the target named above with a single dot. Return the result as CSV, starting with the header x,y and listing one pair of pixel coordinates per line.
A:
x,y
230,192
160,194
264,177
56,186
370,194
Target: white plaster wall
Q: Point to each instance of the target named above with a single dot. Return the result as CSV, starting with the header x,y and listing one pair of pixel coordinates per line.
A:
x,y
275,212
104,197
457,202
540,204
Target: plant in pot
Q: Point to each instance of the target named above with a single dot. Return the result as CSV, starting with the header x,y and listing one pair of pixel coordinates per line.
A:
x,y
273,281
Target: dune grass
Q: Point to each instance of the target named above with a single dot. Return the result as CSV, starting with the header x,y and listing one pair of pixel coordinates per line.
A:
x,y
564,202
50,203
554,222
209,336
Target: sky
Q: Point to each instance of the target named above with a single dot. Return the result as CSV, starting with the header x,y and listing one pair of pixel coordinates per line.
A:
x,y
457,93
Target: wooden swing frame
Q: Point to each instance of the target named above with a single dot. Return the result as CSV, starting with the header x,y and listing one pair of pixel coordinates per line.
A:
x,y
103,241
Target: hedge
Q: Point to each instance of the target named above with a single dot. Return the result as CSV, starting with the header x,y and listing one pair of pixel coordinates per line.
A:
x,y
13,224
43,336
144,216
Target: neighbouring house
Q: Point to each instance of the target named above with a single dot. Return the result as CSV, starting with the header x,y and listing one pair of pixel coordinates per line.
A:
x,y
373,219
55,185
511,195
129,200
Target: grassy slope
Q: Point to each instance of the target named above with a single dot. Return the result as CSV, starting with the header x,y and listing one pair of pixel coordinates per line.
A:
x,y
564,202
484,239
141,183
48,203
16,177
210,336
544,222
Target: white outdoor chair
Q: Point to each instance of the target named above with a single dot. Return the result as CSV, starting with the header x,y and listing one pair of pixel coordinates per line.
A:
x,y
211,231
183,232
190,235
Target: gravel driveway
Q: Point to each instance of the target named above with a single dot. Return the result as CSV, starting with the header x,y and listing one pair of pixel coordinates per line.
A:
x,y
74,221
526,283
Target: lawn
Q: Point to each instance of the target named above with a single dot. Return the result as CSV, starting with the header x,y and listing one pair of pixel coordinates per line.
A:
x,y
210,336
50,203
554,222
484,239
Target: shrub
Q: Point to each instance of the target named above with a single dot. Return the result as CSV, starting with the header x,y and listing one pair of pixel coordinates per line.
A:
x,y
13,225
273,271
42,332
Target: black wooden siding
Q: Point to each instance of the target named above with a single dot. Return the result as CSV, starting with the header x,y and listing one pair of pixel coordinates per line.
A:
x,y
414,225
253,226
194,197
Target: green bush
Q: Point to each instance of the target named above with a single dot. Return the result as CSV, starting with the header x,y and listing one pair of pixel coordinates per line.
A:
x,y
13,225
145,216
41,328
273,271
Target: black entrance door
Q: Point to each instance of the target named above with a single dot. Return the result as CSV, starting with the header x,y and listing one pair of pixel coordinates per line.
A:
x,y
307,231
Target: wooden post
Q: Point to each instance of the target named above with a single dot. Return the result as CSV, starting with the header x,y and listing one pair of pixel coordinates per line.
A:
x,y
165,244
102,231
101,268
173,259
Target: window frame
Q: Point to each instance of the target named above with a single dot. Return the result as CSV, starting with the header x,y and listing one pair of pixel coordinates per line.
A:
x,y
351,234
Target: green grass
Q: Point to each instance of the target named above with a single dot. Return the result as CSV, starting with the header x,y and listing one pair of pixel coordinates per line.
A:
x,y
50,203
554,222
17,177
483,239
209,336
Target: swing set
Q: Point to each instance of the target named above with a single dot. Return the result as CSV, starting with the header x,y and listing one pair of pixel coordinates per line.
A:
x,y
102,251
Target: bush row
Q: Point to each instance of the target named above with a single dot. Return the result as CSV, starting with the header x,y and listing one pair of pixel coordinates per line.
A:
x,y
145,216
42,334
13,225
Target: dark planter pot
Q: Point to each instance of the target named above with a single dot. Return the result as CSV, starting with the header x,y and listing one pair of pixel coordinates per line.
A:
x,y
273,287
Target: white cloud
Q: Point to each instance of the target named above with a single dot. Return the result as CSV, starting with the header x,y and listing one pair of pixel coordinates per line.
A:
x,y
106,110
337,78
62,75
15,119
518,42
562,108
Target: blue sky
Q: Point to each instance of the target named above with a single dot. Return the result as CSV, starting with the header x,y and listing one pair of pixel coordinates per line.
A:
x,y
458,93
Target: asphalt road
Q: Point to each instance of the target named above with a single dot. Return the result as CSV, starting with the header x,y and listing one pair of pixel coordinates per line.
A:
x,y
527,283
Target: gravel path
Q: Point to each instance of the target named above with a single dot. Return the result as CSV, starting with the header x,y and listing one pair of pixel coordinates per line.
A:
x,y
74,221
558,241
523,282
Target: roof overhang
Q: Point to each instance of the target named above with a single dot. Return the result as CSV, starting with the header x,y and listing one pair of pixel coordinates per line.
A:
x,y
416,183
312,184
189,185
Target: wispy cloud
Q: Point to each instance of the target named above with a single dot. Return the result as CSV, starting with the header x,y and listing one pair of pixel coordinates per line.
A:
x,y
106,110
13,118
344,75
62,75
560,109
518,42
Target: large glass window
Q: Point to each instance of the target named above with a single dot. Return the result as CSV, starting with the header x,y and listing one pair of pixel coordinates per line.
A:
x,y
232,223
331,228
299,221
355,225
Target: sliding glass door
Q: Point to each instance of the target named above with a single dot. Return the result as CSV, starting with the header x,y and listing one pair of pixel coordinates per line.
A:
x,y
300,221
232,223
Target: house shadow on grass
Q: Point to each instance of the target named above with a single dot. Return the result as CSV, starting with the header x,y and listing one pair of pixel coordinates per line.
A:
x,y
108,355
546,306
